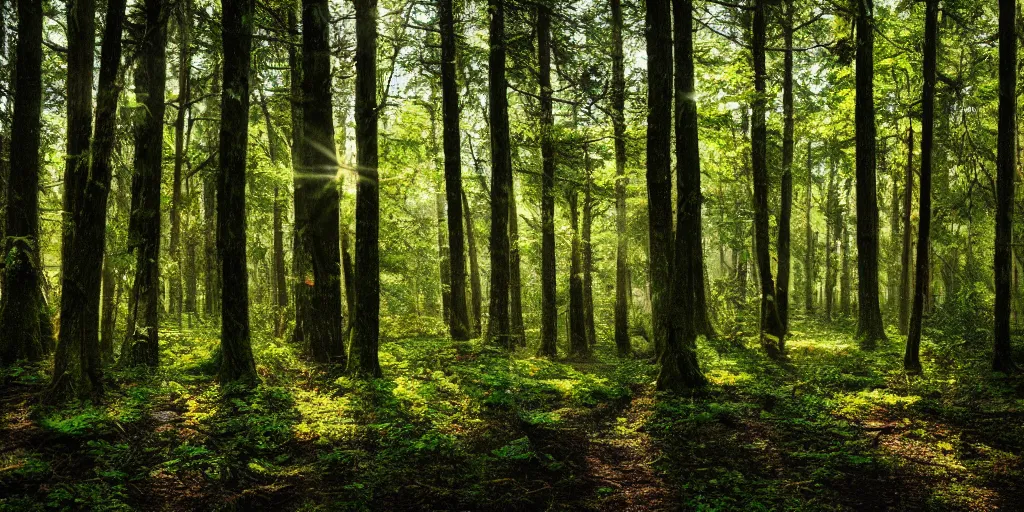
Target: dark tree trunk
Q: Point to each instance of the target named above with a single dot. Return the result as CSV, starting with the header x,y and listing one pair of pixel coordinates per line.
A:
x,y
622,341
184,73
366,326
830,246
908,197
912,357
348,270
659,165
578,346
77,371
300,256
844,246
895,235
317,215
870,329
515,286
459,326
21,334
443,260
680,368
786,213
279,275
548,271
236,347
142,344
109,306
498,327
1003,356
809,243
588,251
772,333
474,268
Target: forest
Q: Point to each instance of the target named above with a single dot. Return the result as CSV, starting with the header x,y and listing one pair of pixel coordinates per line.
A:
x,y
511,255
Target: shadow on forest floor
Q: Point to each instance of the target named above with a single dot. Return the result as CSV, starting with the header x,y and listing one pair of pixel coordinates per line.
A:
x,y
461,426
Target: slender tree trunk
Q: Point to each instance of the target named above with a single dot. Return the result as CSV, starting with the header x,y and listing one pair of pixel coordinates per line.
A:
x,y
908,195
912,358
109,306
317,215
77,367
680,369
659,163
809,244
301,265
142,345
366,326
622,341
184,73
830,246
279,278
786,213
578,345
588,251
459,326
895,235
1003,356
772,332
844,277
236,347
498,328
515,286
870,329
443,259
474,268
549,299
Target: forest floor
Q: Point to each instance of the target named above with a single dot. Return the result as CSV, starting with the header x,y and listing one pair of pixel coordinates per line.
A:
x,y
461,426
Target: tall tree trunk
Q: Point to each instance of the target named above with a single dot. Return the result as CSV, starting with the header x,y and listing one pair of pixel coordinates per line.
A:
x,y
444,259
830,246
142,344
459,326
548,271
870,329
237,363
109,309
474,268
77,371
498,328
588,251
679,366
912,358
772,333
844,276
366,326
300,197
184,73
622,341
659,164
786,213
809,243
578,345
908,195
895,235
1003,356
515,286
279,277
317,215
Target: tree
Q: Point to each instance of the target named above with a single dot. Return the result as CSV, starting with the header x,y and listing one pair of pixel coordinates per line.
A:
x,y
908,197
515,289
622,341
474,266
548,286
659,163
317,213
366,326
237,363
679,366
587,248
578,344
142,344
1006,160
912,358
809,240
459,326
184,105
870,329
772,331
21,332
498,328
786,213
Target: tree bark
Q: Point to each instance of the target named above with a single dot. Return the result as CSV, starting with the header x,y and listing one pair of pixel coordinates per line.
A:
x,y
622,341
109,306
366,326
318,215
870,329
498,327
578,345
786,213
809,243
844,245
515,286
474,268
443,259
912,357
659,163
588,251
459,326
142,344
908,195
1002,359
300,256
237,364
548,272
680,369
772,333
279,277
184,73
